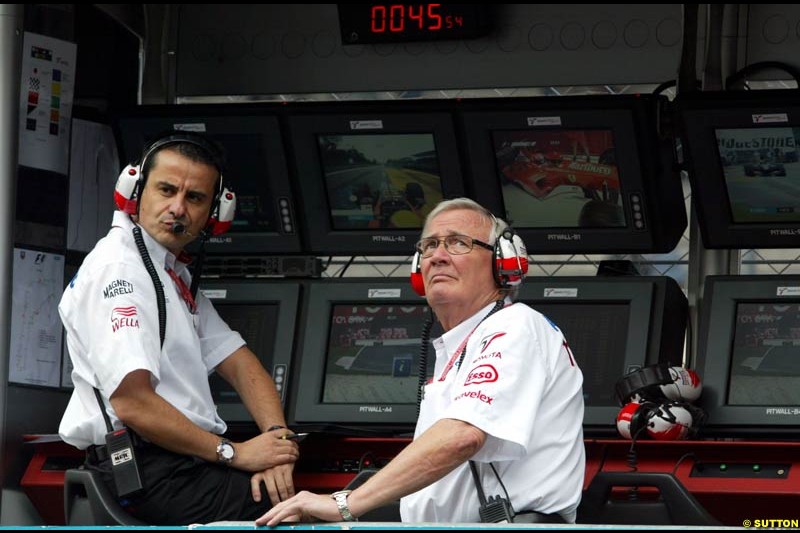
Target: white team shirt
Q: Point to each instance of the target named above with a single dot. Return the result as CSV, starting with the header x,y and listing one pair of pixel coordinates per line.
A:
x,y
110,316
519,384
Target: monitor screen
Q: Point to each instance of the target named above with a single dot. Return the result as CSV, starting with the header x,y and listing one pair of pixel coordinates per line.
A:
x,y
576,174
742,160
359,361
559,179
757,163
748,355
613,326
765,359
369,174
380,181
255,170
373,354
264,313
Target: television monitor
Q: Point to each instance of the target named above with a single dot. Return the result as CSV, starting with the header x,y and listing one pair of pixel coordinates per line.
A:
x,y
749,355
359,359
576,174
744,166
265,220
264,312
360,368
614,326
370,174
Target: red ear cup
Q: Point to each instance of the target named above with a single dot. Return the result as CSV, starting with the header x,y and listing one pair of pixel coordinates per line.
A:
x,y
624,419
659,421
417,282
126,189
222,217
511,259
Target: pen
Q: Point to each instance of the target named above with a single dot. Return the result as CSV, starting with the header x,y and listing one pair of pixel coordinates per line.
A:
x,y
294,436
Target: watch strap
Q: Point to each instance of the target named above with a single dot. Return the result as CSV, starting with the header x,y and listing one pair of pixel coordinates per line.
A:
x,y
340,497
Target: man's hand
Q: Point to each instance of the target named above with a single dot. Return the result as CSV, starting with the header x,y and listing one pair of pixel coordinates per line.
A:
x,y
278,482
265,451
305,507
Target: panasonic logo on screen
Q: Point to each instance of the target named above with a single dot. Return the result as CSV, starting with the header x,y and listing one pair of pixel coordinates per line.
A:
x,y
384,293
767,118
788,291
544,121
366,124
561,293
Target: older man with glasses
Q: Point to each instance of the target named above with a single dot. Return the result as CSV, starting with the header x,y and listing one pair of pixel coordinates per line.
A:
x,y
501,419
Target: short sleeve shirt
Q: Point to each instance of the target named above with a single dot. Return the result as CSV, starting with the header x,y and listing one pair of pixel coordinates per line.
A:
x,y
519,383
111,319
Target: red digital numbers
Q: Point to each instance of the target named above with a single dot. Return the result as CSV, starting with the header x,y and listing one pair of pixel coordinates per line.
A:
x,y
397,18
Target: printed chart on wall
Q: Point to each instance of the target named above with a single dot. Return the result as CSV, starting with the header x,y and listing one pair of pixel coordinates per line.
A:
x,y
48,81
35,347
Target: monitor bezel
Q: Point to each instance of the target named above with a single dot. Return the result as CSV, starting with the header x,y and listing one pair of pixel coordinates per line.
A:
x,y
139,124
648,178
305,124
714,357
261,292
700,115
306,405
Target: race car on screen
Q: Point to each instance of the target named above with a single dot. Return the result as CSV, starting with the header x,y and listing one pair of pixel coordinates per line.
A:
x,y
539,175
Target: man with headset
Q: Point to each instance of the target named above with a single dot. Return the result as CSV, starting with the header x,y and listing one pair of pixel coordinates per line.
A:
x,y
503,412
142,347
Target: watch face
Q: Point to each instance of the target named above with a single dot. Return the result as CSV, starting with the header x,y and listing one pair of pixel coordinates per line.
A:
x,y
227,451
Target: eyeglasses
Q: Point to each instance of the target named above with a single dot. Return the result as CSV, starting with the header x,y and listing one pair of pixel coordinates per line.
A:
x,y
454,244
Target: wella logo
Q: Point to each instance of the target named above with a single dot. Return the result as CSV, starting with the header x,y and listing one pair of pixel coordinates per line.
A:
x,y
124,317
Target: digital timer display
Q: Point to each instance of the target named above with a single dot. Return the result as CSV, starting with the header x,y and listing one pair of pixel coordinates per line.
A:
x,y
389,23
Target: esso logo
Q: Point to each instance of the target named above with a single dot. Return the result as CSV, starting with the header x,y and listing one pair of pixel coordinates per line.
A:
x,y
481,374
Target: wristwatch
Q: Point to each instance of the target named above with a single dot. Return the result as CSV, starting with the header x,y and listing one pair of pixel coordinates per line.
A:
x,y
340,497
225,451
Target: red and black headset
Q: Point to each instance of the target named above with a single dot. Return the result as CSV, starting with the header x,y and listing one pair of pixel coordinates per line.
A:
x,y
133,177
657,403
509,265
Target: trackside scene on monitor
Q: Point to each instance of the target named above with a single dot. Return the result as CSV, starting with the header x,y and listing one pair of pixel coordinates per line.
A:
x,y
749,355
575,175
742,154
369,174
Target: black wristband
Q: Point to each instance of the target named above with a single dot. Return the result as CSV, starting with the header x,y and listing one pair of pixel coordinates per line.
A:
x,y
273,428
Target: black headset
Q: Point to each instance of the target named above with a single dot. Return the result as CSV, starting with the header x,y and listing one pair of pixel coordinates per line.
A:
x,y
133,177
509,266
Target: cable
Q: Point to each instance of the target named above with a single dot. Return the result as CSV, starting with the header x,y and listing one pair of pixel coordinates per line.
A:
x,y
346,266
742,74
682,458
159,288
499,480
422,369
